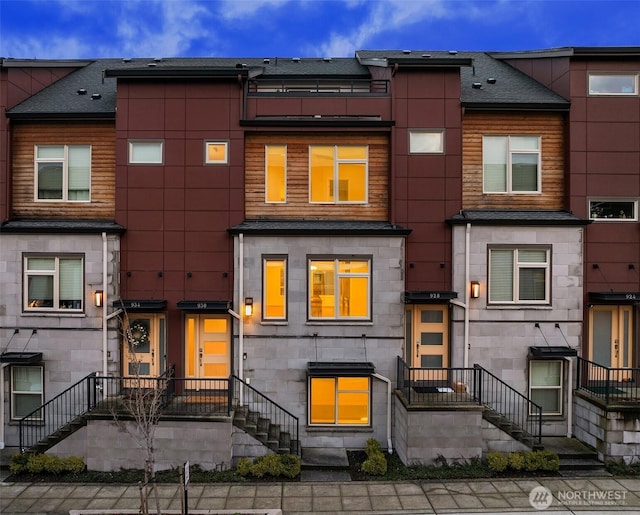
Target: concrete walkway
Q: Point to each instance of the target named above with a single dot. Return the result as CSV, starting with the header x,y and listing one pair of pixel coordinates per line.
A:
x,y
568,495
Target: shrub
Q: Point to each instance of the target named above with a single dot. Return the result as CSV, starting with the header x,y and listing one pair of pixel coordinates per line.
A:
x,y
53,464
497,461
375,464
372,446
533,461
269,465
516,460
18,463
291,465
550,461
36,463
243,467
73,464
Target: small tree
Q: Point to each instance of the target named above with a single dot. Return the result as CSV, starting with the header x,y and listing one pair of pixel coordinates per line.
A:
x,y
142,400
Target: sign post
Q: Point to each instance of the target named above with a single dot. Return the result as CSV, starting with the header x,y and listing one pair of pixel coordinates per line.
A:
x,y
186,488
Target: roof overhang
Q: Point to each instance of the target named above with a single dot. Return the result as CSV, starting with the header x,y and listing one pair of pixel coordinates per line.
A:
x,y
61,227
517,217
321,121
109,115
519,107
428,297
620,297
318,227
21,358
205,306
177,72
140,305
341,368
550,351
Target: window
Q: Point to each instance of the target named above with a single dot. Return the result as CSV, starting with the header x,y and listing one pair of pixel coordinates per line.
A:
x,y
519,276
511,164
274,300
338,174
53,283
63,172
145,152
216,152
545,386
26,391
613,210
275,173
339,400
623,84
426,142
339,288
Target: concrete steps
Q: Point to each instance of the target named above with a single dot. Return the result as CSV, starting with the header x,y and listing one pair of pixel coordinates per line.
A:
x,y
576,458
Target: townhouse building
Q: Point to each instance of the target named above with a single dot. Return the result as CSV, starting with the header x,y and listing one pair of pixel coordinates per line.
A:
x,y
405,245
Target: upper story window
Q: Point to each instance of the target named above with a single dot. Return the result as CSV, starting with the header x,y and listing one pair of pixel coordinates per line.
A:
x,y
146,152
53,283
274,291
619,84
511,164
63,172
216,152
606,210
339,289
519,275
338,174
275,159
423,141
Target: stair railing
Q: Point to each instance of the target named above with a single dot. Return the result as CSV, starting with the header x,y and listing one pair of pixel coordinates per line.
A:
x,y
55,414
257,402
509,403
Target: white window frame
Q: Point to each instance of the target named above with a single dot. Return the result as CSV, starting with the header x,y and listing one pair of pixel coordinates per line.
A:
x,y
594,93
337,393
517,266
336,175
265,260
64,160
216,143
15,392
613,200
149,143
266,174
336,286
414,143
510,151
55,274
559,388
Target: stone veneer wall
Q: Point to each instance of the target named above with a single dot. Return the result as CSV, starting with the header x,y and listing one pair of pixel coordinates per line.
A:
x,y
615,434
105,446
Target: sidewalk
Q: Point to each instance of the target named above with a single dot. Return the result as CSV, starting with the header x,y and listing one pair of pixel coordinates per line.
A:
x,y
606,495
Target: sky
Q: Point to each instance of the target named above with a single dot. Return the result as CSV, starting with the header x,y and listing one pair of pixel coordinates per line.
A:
x,y
81,29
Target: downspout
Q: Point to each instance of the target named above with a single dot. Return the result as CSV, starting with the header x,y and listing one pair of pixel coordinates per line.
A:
x,y
240,301
465,305
570,398
104,304
388,381
2,405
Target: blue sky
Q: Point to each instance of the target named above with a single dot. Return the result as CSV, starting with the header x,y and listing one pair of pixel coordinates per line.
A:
x,y
69,29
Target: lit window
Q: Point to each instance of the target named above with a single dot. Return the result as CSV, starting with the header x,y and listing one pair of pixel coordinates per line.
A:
x,y
604,210
338,174
274,300
519,276
275,173
53,283
26,391
545,386
339,400
426,142
63,172
339,289
511,164
622,84
216,152
145,152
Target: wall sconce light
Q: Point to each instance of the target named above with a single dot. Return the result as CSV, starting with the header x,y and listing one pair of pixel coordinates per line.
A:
x,y
248,306
99,298
475,289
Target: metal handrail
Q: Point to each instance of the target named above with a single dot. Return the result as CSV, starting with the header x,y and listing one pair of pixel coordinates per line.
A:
x,y
608,383
329,86
259,403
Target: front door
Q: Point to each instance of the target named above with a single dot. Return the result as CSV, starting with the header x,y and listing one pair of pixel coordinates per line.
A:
x,y
207,347
429,344
143,346
611,339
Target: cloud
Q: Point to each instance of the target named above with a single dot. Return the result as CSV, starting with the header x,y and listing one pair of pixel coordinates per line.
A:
x,y
239,9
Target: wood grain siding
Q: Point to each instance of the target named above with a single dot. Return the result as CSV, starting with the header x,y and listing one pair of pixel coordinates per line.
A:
x,y
297,205
100,135
550,128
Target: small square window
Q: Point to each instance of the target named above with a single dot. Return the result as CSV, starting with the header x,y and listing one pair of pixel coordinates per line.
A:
x,y
426,141
336,401
53,283
145,152
216,152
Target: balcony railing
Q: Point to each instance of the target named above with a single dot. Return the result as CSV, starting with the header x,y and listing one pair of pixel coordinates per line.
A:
x,y
318,86
611,385
457,386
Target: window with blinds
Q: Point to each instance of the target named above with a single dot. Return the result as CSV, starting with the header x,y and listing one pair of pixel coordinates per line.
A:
x,y
63,172
53,283
519,275
511,164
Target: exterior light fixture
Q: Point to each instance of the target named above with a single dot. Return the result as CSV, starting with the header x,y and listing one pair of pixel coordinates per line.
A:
x,y
99,298
248,306
475,289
